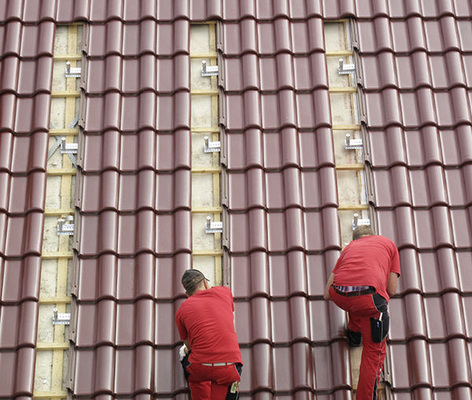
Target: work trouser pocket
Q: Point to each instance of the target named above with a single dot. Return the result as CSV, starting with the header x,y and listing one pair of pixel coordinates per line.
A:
x,y
185,364
379,326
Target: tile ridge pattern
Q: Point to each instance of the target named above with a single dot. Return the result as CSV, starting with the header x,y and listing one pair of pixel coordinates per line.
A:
x,y
125,275
280,205
25,95
416,82
68,11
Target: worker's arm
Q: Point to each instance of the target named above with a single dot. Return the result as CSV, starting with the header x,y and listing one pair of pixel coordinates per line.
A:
x,y
392,283
187,344
328,285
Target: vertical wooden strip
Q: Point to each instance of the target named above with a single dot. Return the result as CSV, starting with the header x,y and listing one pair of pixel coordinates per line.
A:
x,y
60,341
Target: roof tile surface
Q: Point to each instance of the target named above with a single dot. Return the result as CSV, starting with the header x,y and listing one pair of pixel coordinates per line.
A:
x,y
280,197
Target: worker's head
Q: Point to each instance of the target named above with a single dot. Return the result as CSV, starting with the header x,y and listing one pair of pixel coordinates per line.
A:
x,y
193,281
361,231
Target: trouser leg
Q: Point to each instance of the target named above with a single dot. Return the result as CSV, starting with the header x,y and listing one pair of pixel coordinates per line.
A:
x,y
360,310
373,356
214,383
200,390
225,382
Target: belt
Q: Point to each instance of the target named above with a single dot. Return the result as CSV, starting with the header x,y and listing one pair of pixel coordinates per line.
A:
x,y
217,364
369,290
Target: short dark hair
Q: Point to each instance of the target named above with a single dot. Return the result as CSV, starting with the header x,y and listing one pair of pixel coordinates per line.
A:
x,y
361,231
191,279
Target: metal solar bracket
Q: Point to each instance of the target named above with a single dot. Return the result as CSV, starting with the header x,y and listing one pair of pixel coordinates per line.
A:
x,y
68,148
213,226
356,221
352,144
208,70
345,69
73,72
65,226
210,147
60,318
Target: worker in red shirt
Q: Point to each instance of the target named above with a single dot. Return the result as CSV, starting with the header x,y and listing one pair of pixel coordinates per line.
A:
x,y
363,279
206,326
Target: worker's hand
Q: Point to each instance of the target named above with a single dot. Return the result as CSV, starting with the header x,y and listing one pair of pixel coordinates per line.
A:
x,y
183,352
328,285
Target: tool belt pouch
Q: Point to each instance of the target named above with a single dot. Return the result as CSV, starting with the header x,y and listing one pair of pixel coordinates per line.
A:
x,y
379,327
185,364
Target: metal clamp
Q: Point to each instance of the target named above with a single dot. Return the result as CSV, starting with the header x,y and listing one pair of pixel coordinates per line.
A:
x,y
208,70
68,148
359,221
213,226
65,226
353,144
60,318
345,69
73,72
210,147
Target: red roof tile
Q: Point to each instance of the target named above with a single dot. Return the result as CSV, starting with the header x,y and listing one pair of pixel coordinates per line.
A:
x,y
280,199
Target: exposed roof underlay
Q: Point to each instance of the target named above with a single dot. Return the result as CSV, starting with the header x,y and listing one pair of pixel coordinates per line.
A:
x,y
282,236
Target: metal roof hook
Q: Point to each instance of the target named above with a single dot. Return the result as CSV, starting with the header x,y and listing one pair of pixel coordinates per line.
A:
x,y
344,69
213,226
208,70
356,221
72,72
60,318
352,144
211,147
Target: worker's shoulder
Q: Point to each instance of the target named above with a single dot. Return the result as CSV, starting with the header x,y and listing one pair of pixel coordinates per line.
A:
x,y
224,290
385,239
374,238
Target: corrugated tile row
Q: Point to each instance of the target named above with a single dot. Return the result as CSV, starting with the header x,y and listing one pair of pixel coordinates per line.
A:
x,y
283,233
410,35
294,229
283,321
134,201
445,317
280,190
132,113
310,150
437,366
281,276
128,279
133,153
23,154
279,72
27,42
426,229
25,87
429,187
280,200
438,71
418,109
267,371
272,111
416,79
434,273
447,147
199,10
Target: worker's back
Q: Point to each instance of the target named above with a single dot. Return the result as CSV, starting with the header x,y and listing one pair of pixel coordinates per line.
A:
x,y
207,317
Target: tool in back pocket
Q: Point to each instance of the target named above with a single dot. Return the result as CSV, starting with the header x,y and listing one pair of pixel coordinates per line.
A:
x,y
377,329
234,387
